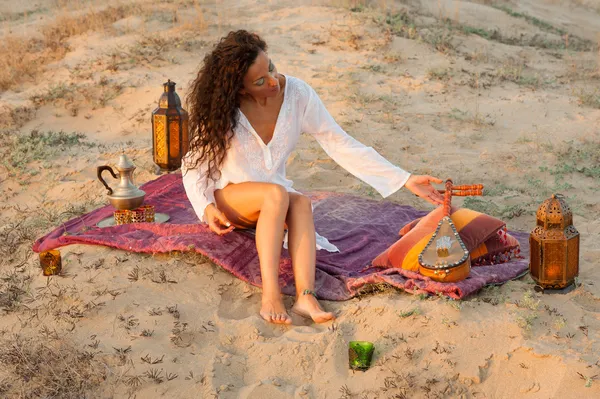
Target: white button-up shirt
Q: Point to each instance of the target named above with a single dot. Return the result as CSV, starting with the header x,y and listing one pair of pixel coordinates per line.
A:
x,y
249,159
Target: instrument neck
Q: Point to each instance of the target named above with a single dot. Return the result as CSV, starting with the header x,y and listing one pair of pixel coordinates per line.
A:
x,y
448,198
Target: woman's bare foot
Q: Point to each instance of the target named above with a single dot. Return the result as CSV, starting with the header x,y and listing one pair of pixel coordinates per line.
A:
x,y
273,311
308,306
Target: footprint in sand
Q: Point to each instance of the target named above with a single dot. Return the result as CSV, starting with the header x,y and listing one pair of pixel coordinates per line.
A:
x,y
305,333
237,304
226,374
267,390
238,307
588,302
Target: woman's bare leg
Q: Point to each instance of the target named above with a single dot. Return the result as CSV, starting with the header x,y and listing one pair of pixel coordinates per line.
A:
x,y
265,206
301,245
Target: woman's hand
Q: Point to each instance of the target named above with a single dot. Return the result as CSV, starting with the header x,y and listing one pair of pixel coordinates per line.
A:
x,y
216,220
420,185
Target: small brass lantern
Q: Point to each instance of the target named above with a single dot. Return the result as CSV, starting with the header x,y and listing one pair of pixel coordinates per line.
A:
x,y
554,245
169,130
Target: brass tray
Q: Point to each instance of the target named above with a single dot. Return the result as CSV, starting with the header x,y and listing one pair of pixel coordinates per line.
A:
x,y
110,221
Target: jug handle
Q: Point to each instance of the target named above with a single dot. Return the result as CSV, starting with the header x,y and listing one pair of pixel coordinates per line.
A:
x,y
102,169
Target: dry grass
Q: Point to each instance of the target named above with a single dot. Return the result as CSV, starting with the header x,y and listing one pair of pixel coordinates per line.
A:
x,y
476,119
73,96
568,40
582,70
400,23
506,212
514,71
589,98
11,16
17,151
442,74
41,368
480,55
150,51
20,154
26,61
15,117
17,237
29,56
576,158
13,286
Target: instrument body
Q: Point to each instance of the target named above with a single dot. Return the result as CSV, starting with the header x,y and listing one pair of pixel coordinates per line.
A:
x,y
445,258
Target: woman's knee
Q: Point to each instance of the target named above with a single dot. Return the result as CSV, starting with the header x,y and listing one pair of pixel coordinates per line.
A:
x,y
276,195
300,203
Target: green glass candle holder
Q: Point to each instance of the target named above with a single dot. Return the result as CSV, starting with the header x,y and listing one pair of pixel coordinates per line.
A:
x,y
360,354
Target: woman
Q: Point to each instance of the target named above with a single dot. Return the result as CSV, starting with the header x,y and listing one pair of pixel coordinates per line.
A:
x,y
245,120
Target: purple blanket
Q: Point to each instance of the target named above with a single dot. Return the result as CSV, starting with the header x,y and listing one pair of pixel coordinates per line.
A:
x,y
361,228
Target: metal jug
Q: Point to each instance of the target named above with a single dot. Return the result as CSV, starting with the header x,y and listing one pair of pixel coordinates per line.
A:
x,y
126,195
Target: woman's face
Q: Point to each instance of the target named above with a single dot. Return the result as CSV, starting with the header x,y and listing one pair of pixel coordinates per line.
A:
x,y
261,80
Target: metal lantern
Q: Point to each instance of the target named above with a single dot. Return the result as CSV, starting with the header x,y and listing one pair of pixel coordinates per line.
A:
x,y
169,130
554,244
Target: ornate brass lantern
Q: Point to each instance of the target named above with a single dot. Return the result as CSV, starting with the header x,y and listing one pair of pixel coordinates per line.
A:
x,y
554,244
169,130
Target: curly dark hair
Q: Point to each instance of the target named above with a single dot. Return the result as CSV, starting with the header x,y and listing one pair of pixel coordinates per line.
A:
x,y
213,101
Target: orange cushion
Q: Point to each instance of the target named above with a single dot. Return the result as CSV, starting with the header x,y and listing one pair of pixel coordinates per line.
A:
x,y
474,228
499,248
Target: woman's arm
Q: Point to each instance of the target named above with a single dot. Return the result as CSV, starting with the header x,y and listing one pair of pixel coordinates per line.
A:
x,y
363,162
201,193
200,190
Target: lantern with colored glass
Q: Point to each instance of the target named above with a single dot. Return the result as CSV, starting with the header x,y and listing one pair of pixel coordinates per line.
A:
x,y
554,244
169,130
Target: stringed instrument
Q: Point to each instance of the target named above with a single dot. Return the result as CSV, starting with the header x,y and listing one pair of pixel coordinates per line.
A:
x,y
445,258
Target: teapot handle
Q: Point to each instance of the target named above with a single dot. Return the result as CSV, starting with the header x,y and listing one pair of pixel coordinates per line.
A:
x,y
102,169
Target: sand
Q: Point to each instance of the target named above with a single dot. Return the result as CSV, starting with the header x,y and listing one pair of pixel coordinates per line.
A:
x,y
457,89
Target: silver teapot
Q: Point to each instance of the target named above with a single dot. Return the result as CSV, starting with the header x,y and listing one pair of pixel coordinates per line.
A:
x,y
126,195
